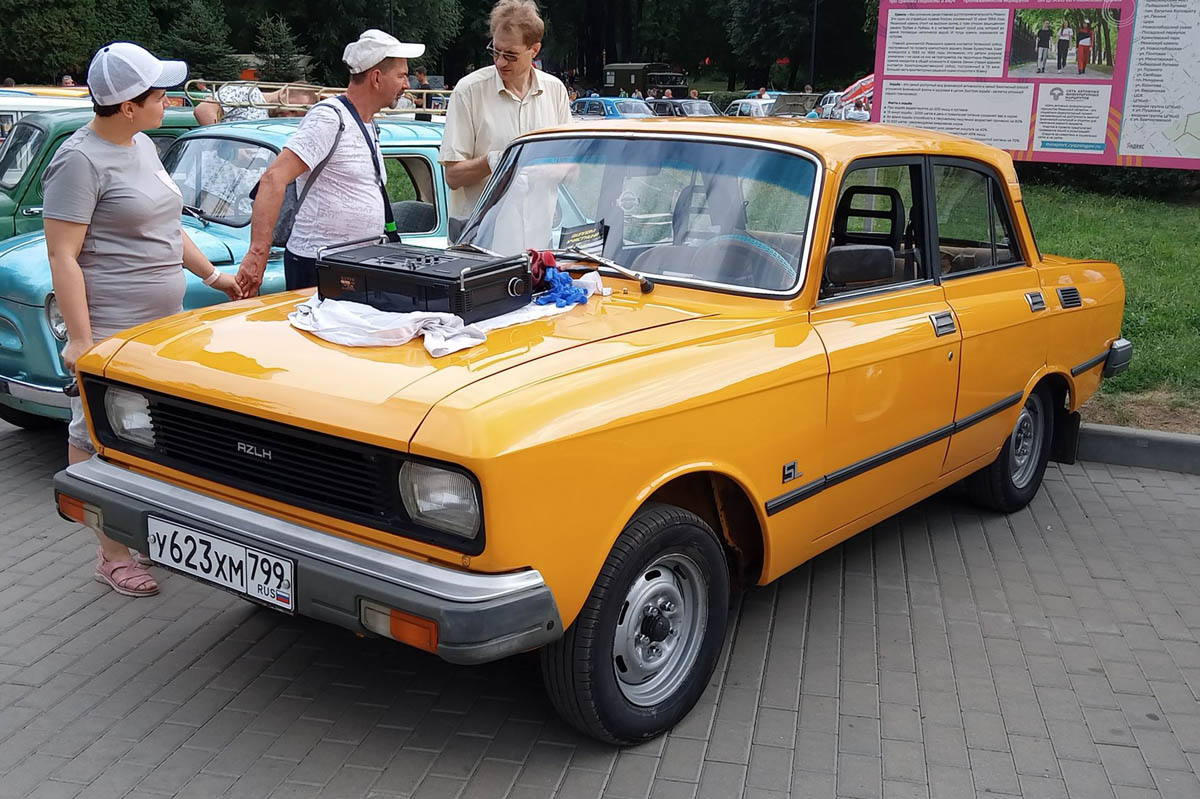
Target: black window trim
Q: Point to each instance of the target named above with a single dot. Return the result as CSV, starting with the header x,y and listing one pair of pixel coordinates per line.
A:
x,y
989,172
933,275
433,177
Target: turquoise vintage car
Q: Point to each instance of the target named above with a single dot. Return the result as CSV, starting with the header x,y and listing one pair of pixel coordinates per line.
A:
x,y
31,144
215,168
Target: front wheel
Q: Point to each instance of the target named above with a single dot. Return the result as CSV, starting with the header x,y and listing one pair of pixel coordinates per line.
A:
x,y
642,650
1012,480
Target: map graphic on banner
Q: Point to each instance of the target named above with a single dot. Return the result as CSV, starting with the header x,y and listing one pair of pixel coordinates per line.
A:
x,y
1108,82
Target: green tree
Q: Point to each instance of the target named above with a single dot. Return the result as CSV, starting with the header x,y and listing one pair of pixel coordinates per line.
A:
x,y
198,35
275,48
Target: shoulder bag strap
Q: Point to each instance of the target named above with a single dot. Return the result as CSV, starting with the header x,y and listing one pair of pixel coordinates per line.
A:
x,y
316,170
389,222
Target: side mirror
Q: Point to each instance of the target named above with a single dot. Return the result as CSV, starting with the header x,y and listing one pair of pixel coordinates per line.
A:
x,y
859,263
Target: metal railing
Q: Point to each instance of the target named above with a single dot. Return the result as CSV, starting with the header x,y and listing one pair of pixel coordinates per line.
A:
x,y
285,94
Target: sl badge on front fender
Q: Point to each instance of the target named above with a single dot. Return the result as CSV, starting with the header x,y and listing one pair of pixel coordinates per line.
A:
x,y
790,472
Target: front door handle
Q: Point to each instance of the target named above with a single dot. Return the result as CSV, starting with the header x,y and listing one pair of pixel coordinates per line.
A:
x,y
35,210
943,323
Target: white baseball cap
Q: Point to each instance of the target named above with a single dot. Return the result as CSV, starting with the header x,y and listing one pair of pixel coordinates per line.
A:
x,y
122,70
373,46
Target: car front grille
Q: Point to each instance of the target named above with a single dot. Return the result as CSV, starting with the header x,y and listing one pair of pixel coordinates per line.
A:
x,y
274,460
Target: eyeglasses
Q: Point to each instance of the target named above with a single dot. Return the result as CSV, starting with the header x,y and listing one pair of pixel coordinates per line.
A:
x,y
498,54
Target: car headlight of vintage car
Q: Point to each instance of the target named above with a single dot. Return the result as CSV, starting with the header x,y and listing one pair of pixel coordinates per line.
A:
x,y
442,499
54,318
129,416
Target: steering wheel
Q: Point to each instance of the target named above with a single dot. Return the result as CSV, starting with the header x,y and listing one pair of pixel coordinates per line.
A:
x,y
740,259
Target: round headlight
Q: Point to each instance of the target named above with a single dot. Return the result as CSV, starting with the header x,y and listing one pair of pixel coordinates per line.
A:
x,y
54,318
129,416
442,499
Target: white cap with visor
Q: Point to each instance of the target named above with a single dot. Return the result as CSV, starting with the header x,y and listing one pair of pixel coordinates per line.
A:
x,y
373,46
122,70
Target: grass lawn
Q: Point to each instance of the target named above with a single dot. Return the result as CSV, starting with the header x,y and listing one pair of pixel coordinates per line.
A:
x,y
1157,246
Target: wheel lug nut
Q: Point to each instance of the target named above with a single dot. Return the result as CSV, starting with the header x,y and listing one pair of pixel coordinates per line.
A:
x,y
641,639
666,605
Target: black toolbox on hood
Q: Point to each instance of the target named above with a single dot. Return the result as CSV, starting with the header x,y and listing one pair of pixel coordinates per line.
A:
x,y
402,278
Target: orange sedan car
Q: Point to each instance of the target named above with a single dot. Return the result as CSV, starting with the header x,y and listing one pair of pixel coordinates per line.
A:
x,y
811,326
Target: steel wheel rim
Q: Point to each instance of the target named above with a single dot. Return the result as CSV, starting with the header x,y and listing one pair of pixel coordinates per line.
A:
x,y
660,630
1027,441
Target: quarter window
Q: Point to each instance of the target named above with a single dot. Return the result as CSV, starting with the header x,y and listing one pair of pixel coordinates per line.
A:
x,y
974,228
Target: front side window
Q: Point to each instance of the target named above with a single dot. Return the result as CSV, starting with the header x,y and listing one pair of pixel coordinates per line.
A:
x,y
881,206
974,229
410,190
699,108
216,175
19,151
696,211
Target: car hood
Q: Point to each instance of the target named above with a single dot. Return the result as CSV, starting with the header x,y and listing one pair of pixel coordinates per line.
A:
x,y
25,267
246,357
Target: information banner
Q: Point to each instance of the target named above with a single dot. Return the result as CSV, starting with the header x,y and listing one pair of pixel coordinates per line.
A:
x,y
1111,82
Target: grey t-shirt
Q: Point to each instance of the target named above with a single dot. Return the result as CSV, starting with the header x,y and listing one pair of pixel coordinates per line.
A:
x,y
132,254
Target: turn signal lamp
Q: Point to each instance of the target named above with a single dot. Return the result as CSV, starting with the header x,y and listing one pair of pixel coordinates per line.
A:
x,y
399,626
76,510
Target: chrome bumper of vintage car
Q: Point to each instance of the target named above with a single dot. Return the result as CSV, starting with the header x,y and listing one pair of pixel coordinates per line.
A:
x,y
1119,356
52,396
480,617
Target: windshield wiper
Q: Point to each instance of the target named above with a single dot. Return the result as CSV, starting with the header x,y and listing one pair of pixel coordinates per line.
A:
x,y
469,247
577,254
193,211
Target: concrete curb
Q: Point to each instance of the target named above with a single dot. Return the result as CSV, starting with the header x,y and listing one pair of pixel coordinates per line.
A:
x,y
1151,449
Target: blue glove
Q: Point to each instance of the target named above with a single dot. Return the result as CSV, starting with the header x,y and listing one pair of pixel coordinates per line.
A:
x,y
562,291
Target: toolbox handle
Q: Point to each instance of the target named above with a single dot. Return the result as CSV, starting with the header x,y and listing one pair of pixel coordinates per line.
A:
x,y
491,266
368,240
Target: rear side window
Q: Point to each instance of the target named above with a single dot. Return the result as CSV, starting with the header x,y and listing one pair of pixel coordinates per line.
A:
x,y
975,231
19,151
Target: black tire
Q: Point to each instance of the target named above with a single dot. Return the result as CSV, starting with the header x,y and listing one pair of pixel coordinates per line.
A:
x,y
1010,482
580,670
27,420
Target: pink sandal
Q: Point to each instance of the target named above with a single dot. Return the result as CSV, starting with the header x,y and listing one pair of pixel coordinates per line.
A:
x,y
126,577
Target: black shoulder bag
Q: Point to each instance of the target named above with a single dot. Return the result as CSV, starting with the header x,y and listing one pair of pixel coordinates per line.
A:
x,y
389,222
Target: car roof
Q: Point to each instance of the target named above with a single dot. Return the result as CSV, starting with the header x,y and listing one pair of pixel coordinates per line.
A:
x,y
392,130
75,118
32,103
834,141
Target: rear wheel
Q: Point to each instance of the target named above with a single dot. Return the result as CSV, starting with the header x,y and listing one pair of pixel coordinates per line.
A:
x,y
27,420
1012,480
643,648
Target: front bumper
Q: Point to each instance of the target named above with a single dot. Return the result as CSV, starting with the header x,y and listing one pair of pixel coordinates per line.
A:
x,y
480,617
46,396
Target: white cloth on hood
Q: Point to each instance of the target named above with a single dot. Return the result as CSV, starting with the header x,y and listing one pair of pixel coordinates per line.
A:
x,y
355,324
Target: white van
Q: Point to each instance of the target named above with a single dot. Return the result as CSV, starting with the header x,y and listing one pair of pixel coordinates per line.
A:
x,y
15,104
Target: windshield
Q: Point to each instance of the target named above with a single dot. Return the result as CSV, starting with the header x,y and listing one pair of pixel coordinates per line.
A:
x,y
216,175
633,108
694,211
18,152
664,79
700,108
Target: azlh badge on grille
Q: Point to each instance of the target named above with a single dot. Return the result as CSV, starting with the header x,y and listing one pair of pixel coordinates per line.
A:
x,y
253,450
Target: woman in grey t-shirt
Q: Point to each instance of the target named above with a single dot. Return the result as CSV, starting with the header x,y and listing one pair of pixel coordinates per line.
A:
x,y
117,248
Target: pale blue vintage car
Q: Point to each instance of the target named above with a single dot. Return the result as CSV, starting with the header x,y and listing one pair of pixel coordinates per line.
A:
x,y
215,168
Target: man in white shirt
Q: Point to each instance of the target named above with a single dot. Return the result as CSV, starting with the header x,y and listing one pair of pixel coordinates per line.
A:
x,y
494,105
346,201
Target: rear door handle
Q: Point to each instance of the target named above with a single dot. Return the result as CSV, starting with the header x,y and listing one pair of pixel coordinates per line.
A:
x,y
943,323
1036,301
35,210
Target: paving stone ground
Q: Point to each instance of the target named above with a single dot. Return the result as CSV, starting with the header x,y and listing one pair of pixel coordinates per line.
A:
x,y
944,653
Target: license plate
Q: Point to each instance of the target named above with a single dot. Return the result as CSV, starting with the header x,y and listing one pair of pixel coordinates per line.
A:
x,y
252,572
